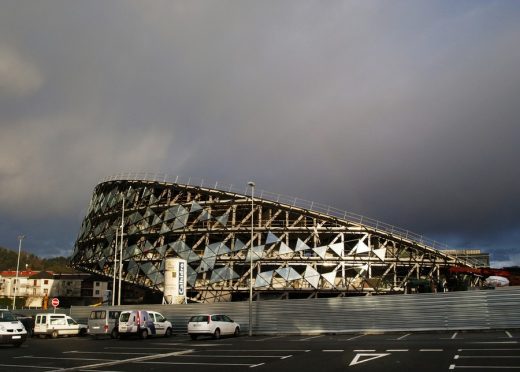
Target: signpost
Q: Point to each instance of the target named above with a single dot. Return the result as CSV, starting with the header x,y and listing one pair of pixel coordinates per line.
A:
x,y
55,302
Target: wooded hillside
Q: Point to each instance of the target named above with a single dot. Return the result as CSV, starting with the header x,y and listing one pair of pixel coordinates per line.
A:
x,y
9,257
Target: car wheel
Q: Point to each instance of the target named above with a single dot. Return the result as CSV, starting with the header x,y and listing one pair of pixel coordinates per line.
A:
x,y
237,332
216,334
82,332
144,334
193,337
168,332
114,333
54,334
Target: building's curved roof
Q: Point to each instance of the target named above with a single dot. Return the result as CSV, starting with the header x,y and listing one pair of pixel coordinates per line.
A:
x,y
300,248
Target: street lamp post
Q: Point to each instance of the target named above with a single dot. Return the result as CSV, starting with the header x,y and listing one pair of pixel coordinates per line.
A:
x,y
252,185
121,252
20,238
115,270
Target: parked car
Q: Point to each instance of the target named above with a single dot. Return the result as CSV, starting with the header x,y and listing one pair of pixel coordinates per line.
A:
x,y
163,327
214,325
136,322
55,325
104,322
12,330
28,323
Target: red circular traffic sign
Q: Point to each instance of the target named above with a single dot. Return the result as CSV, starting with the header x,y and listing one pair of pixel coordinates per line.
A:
x,y
55,302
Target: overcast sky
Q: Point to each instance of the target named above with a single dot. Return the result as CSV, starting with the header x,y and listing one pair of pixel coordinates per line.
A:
x,y
403,111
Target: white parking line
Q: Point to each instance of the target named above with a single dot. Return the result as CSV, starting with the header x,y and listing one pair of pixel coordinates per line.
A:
x,y
54,358
358,336
431,349
365,351
508,334
453,366
186,363
137,348
308,338
183,344
333,351
234,356
124,361
108,352
255,350
403,337
487,349
396,350
263,339
454,335
487,356
24,366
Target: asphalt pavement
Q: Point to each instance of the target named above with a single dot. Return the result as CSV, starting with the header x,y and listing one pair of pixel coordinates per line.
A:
x,y
468,351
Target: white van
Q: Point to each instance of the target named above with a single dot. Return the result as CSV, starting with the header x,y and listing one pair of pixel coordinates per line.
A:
x,y
136,322
12,330
55,325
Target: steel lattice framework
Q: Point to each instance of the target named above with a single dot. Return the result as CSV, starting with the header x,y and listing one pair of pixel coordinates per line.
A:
x,y
296,251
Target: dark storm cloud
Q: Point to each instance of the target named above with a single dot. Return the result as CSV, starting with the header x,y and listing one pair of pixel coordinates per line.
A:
x,y
405,111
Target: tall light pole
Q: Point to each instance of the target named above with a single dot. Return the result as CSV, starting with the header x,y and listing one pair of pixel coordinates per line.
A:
x,y
20,238
252,185
115,270
121,252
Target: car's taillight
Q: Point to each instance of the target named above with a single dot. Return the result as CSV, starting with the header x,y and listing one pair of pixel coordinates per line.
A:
x,y
106,328
208,320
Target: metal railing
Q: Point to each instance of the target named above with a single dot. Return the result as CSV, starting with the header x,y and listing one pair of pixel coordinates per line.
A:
x,y
283,199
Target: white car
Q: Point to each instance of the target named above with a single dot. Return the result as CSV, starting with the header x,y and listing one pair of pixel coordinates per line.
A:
x,y
163,327
214,325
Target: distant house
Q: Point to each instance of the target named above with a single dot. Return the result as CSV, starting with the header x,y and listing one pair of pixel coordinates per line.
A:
x,y
8,282
79,285
35,286
39,284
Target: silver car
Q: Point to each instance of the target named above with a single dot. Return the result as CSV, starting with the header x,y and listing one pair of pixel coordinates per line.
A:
x,y
214,325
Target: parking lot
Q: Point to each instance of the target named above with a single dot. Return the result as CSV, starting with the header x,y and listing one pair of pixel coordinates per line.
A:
x,y
471,351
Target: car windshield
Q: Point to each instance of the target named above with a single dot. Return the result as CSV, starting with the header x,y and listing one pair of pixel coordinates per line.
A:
x,y
124,317
7,316
199,318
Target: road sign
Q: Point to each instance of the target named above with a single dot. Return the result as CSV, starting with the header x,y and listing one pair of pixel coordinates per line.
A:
x,y
55,302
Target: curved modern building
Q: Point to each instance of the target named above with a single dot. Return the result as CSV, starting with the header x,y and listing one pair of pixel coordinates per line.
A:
x,y
295,248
